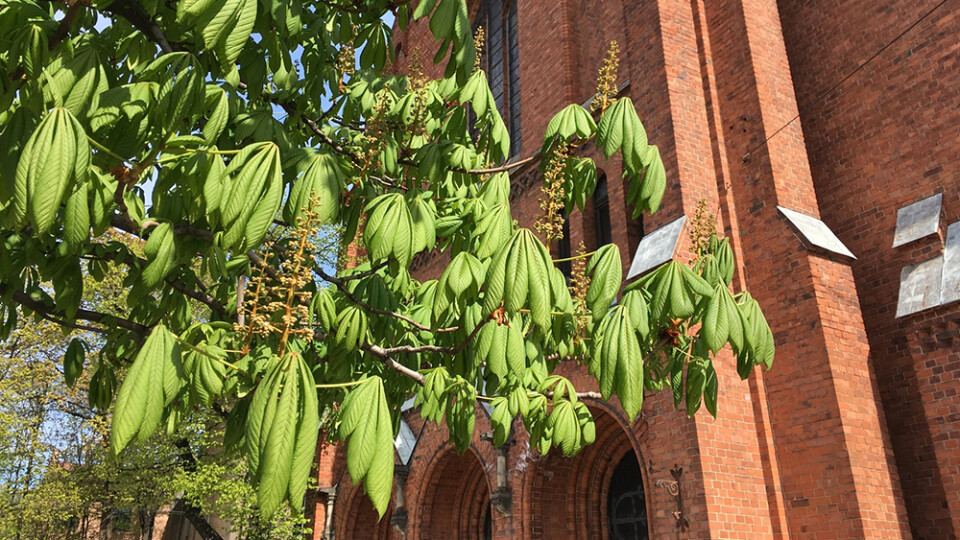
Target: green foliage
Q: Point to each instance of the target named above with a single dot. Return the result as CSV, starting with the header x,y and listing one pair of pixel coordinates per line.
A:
x,y
189,128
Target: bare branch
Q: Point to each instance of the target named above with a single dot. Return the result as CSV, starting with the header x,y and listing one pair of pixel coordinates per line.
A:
x,y
382,353
105,319
137,16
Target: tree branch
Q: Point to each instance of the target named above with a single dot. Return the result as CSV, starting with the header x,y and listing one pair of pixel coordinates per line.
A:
x,y
346,292
64,27
382,353
505,167
105,319
137,16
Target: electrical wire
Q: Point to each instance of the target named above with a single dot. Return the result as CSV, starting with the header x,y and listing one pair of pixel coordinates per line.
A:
x,y
846,78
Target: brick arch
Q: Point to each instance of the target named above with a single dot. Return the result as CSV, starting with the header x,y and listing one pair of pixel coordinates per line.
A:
x,y
454,498
359,519
568,496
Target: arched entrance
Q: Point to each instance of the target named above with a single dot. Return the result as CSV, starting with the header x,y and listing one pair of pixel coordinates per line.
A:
x,y
361,519
456,503
585,496
626,501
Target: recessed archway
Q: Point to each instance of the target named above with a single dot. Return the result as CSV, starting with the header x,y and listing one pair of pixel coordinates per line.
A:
x,y
361,519
456,502
571,497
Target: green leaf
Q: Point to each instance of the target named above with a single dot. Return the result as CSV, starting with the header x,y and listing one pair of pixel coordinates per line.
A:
x,y
322,180
219,115
620,129
76,217
141,399
617,362
389,230
606,272
696,382
161,252
54,160
572,120
277,453
308,427
73,361
366,421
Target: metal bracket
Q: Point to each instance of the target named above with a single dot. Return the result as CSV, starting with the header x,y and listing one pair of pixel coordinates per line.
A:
x,y
673,488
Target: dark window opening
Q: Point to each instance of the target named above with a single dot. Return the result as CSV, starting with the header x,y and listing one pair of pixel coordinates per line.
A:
x,y
501,62
627,508
601,214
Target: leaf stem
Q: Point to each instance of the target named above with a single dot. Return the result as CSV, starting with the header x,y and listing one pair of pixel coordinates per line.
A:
x,y
575,257
104,149
198,350
341,385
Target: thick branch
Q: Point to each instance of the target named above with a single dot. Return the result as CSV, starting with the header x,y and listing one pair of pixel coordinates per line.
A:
x,y
105,319
137,16
381,353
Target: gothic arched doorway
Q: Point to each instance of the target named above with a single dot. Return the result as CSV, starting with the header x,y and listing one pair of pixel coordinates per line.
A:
x,y
456,503
361,519
573,497
627,502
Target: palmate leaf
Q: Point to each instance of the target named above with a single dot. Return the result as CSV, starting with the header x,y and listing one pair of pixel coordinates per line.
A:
x,y
616,360
722,321
459,283
282,424
494,229
520,275
620,129
54,160
390,229
605,270
150,385
322,179
573,120
250,200
366,421
675,286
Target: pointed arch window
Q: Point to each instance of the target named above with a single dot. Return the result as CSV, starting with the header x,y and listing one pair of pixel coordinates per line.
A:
x,y
601,213
501,62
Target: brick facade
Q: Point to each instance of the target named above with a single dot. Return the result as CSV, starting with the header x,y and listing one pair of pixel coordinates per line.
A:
x,y
855,433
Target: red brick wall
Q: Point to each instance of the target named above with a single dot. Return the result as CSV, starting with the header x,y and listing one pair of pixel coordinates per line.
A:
x,y
853,434
883,139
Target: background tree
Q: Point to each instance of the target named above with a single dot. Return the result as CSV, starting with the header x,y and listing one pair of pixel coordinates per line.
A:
x,y
245,116
57,475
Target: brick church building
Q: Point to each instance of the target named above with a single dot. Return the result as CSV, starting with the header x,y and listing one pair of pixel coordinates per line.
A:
x,y
825,136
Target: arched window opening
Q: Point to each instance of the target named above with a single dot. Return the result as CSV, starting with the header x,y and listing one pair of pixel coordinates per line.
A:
x,y
488,525
601,213
501,62
627,507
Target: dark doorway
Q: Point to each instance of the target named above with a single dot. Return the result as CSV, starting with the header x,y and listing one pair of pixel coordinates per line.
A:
x,y
488,525
627,509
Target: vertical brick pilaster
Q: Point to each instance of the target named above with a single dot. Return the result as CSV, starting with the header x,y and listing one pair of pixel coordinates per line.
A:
x,y
837,474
